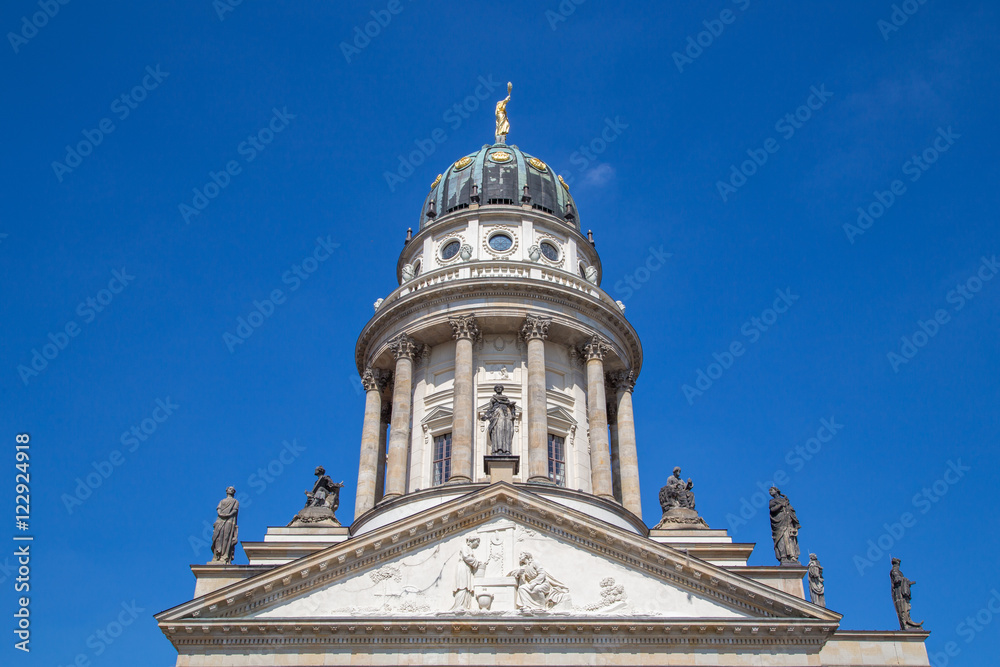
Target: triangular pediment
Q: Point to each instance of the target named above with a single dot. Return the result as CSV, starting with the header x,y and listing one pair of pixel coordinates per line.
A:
x,y
408,569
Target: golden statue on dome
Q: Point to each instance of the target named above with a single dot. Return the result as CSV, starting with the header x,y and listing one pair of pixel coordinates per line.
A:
x,y
503,125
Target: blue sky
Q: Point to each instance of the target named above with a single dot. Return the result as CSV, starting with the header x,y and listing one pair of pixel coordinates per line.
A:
x,y
913,437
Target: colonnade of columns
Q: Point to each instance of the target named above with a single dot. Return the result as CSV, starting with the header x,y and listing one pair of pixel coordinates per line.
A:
x,y
613,456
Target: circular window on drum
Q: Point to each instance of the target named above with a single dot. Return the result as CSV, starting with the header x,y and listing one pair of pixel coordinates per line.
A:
x,y
501,242
549,250
450,249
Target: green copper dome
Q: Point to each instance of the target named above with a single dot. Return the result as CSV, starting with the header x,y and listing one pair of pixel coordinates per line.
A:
x,y
499,175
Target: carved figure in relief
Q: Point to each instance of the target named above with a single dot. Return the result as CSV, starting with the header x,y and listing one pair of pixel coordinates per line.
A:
x,y
784,528
500,415
465,570
536,589
901,597
225,531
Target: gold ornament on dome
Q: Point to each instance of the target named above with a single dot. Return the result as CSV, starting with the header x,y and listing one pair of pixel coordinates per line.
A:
x,y
436,181
537,164
500,156
463,163
563,183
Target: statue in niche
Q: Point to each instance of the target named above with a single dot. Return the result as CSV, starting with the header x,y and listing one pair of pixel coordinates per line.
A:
x,y
901,597
500,415
225,531
536,589
784,528
465,572
321,503
817,593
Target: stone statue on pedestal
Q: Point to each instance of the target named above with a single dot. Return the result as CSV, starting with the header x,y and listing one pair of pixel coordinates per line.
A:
x,y
677,503
817,593
500,415
901,597
225,531
321,502
784,528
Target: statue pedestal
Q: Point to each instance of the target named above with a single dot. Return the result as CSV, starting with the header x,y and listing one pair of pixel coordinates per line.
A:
x,y
681,518
501,468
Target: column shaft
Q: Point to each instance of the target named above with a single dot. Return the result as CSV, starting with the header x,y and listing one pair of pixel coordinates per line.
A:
x,y
368,464
628,452
600,463
380,470
535,330
616,471
462,424
404,348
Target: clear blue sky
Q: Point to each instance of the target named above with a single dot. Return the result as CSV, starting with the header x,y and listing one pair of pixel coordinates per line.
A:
x,y
886,95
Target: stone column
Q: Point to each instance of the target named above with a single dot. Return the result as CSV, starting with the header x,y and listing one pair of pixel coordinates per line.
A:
x,y
535,330
369,463
627,451
612,411
465,330
404,349
600,464
380,471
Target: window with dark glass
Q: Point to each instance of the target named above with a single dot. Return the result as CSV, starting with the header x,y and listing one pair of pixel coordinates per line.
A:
x,y
557,460
442,458
501,242
550,251
450,249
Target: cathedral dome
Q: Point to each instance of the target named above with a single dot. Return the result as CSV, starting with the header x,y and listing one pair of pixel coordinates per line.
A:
x,y
499,174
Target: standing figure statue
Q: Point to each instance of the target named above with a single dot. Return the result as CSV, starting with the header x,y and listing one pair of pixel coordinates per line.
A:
x,y
536,589
817,593
784,528
500,414
225,530
503,125
901,597
465,571
321,502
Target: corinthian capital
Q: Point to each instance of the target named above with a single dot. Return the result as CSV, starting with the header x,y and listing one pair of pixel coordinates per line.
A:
x,y
464,327
622,380
375,378
596,348
535,326
404,346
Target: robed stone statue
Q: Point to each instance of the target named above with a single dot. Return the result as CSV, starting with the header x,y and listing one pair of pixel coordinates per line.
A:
x,y
901,597
677,503
500,415
225,531
465,572
536,590
784,528
817,593
321,502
